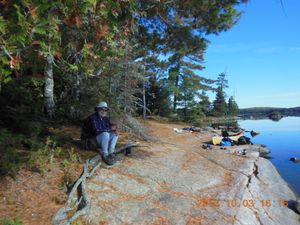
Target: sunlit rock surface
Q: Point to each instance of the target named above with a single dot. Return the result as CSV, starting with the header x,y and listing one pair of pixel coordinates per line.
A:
x,y
175,181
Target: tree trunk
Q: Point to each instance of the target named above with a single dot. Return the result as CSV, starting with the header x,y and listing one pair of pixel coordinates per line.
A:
x,y
126,94
74,108
49,87
144,101
175,93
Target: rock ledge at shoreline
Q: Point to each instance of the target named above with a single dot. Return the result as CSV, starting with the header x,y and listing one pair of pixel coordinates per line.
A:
x,y
175,181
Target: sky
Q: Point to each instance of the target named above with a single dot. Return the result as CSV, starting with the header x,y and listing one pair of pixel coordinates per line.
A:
x,y
260,55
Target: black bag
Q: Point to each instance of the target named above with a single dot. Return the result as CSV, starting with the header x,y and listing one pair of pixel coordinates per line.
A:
x,y
243,140
88,134
91,144
225,133
87,129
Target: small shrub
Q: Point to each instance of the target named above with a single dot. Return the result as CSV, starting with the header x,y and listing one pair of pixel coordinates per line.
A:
x,y
73,156
66,164
6,221
32,144
9,159
9,162
43,157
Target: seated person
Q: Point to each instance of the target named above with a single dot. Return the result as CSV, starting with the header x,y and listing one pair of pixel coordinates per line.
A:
x,y
106,133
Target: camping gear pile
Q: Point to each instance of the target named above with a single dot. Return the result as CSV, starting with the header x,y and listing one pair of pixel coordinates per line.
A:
x,y
191,129
230,138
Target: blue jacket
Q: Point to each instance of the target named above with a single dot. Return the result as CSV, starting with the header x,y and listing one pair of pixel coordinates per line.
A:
x,y
101,124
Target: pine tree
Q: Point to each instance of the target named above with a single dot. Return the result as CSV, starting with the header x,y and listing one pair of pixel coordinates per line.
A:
x,y
205,104
220,105
233,108
157,97
77,48
222,81
184,79
177,29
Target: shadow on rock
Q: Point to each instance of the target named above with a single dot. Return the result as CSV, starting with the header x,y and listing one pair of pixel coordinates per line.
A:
x,y
294,205
140,154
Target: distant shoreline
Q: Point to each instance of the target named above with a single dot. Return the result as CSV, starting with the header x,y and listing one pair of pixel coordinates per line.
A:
x,y
268,112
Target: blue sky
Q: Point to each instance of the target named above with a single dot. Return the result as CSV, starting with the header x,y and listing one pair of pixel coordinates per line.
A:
x,y
261,55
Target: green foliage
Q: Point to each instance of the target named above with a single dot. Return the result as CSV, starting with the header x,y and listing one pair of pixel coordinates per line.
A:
x,y
184,81
22,100
219,105
9,159
157,96
6,221
233,108
46,155
191,114
223,121
2,26
68,165
17,150
222,81
105,50
43,157
29,94
36,153
205,104
183,41
73,156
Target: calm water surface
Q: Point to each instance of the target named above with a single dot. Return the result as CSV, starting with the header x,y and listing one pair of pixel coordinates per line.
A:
x,y
283,139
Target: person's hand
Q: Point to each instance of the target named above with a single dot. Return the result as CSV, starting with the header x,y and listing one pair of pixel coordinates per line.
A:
x,y
115,129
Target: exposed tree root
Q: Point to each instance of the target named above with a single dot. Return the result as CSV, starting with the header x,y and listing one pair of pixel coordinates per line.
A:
x,y
82,204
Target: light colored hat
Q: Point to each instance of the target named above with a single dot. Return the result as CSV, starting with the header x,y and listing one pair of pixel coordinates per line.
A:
x,y
102,105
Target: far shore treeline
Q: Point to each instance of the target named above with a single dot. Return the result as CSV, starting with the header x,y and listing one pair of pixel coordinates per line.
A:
x,y
268,112
58,59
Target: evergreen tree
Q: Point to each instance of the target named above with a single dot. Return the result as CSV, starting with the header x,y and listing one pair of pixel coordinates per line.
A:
x,y
74,52
177,29
157,97
222,81
233,108
184,81
205,104
220,105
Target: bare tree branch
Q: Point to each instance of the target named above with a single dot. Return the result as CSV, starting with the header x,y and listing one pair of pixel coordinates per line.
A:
x,y
7,52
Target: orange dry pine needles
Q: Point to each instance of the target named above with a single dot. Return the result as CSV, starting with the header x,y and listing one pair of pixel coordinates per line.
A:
x,y
33,197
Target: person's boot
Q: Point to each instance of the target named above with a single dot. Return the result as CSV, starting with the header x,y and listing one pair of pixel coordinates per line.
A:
x,y
116,157
128,151
108,160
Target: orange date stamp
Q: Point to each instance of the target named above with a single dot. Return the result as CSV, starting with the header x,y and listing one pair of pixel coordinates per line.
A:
x,y
233,203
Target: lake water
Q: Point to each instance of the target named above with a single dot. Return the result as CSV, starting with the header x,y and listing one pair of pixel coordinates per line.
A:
x,y
283,139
